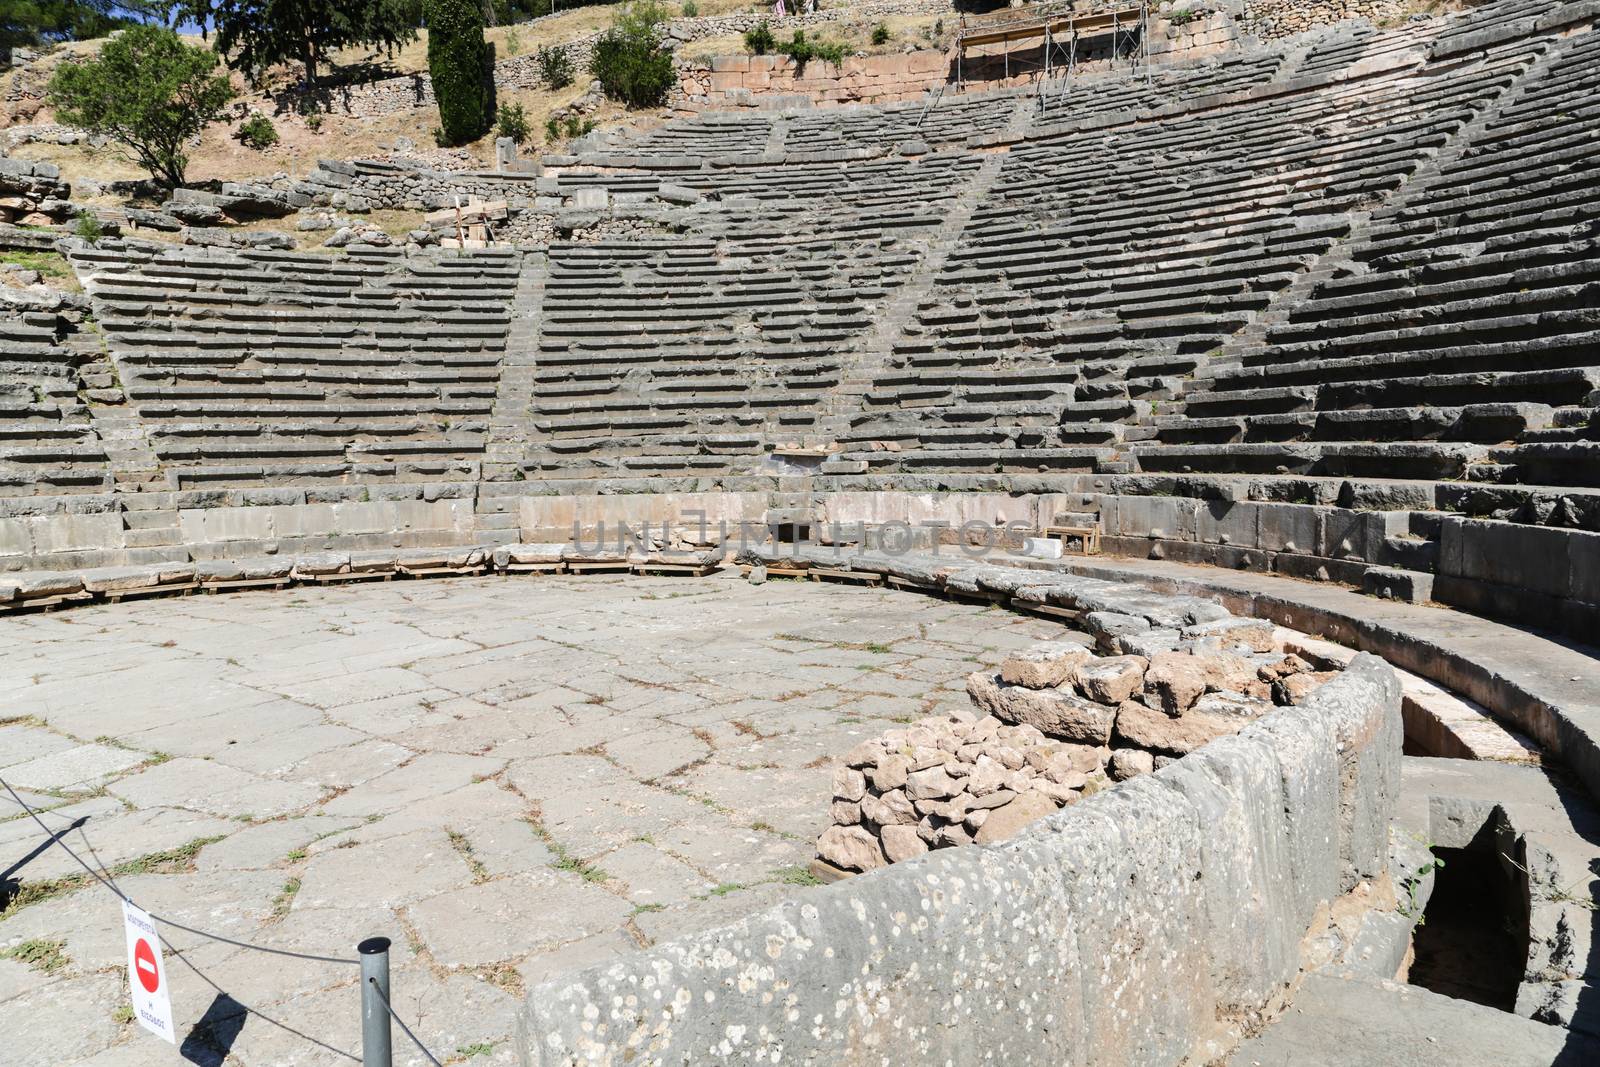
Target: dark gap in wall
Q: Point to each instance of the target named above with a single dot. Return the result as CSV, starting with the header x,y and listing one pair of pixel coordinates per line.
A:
x,y
1473,944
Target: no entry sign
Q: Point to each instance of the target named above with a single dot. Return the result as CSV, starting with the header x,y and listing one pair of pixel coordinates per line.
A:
x,y
147,978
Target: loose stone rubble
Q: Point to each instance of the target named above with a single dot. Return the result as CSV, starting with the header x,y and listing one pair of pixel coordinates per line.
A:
x,y
1058,723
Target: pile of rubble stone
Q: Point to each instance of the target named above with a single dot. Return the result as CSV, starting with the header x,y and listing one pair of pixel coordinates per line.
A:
x,y
33,194
1059,723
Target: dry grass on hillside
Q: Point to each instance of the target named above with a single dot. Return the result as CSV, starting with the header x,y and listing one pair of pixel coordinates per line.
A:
x,y
918,31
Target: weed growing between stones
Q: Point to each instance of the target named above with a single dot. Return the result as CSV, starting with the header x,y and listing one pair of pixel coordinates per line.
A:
x,y
42,955
1412,884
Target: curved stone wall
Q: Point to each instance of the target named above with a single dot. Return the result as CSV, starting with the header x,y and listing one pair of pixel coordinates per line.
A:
x,y
1147,924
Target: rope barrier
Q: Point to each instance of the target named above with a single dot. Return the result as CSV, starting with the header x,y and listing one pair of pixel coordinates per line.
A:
x,y
106,880
402,1024
161,918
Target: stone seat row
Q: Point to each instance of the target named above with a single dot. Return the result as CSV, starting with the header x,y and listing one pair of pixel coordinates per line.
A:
x,y
243,475
33,590
1486,423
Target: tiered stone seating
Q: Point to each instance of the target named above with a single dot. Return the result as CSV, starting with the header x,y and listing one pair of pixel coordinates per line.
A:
x,y
1459,338
951,120
1105,269
702,354
47,439
257,367
1345,46
714,133
948,120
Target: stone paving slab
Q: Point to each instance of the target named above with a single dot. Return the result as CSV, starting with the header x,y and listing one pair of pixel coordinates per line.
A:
x,y
508,779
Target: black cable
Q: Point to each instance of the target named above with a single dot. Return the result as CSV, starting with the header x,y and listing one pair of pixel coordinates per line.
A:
x,y
160,918
106,877
402,1024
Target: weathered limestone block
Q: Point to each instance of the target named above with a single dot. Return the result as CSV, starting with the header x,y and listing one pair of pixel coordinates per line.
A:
x,y
1044,665
45,583
902,843
1111,680
1176,680
889,808
1158,732
1004,822
1058,713
1256,634
1129,763
931,784
850,848
1294,689
890,773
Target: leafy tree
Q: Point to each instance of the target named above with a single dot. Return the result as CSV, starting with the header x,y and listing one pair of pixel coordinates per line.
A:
x,y
33,22
458,64
146,90
256,35
628,58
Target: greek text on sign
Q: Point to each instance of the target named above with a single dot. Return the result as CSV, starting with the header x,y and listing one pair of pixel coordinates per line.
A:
x,y
147,976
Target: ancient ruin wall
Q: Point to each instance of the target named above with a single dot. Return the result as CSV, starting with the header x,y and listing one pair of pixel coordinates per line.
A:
x,y
1142,925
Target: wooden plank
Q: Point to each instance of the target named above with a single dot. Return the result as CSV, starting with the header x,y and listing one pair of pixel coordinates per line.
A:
x,y
175,589
775,572
827,873
46,603
698,570
239,584
442,572
351,576
817,574
1052,610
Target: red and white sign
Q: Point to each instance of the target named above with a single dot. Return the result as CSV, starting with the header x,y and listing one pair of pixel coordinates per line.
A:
x,y
147,976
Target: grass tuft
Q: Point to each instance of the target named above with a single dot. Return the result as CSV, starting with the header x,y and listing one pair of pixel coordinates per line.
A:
x,y
43,956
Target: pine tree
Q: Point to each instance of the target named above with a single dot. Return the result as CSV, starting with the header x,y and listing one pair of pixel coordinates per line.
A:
x,y
458,65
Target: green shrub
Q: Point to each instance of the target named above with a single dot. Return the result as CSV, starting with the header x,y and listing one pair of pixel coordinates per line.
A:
x,y
555,67
458,66
88,227
629,61
690,9
552,130
513,41
880,33
802,50
512,122
146,90
576,127
759,39
257,131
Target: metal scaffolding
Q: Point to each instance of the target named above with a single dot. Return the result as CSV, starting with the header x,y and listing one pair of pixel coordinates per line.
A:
x,y
1060,37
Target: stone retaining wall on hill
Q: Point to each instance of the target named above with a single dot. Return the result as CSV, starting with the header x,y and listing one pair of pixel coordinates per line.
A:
x,y
1269,20
407,92
762,81
1144,925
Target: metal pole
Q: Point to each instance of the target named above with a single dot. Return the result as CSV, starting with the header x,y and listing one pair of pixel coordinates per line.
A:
x,y
376,1049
